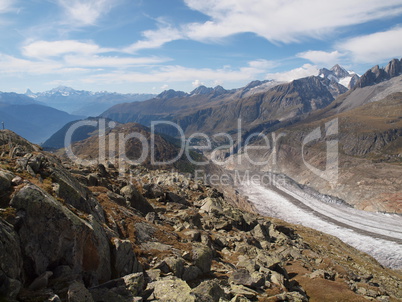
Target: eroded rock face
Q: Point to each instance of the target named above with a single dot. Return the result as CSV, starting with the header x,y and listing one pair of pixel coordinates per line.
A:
x,y
10,260
51,234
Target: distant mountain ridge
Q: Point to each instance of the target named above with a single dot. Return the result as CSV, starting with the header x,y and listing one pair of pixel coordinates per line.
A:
x,y
82,102
208,109
30,118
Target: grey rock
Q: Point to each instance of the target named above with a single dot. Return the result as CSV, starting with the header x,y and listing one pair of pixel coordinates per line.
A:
x,y
5,180
136,200
243,291
153,274
191,273
176,265
239,298
171,289
77,292
291,297
124,261
10,252
202,257
124,289
209,291
153,191
51,233
172,197
260,232
244,277
211,205
41,281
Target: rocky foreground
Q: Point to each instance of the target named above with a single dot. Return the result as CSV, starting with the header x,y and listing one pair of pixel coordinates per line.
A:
x,y
74,233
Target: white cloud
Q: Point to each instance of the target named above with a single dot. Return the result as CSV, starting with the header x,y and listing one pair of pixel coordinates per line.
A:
x,y
374,48
321,57
85,12
297,73
197,83
43,49
284,21
113,62
12,65
155,38
164,87
175,73
6,5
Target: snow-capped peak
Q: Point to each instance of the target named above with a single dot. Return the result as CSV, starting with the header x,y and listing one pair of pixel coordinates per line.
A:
x,y
339,75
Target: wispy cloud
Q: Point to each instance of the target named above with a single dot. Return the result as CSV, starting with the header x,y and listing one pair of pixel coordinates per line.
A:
x,y
96,61
44,49
195,76
86,12
6,5
375,47
321,57
297,73
284,21
155,38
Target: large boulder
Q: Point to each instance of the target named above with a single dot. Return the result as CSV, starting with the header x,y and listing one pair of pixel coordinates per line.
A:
x,y
209,291
202,257
10,261
171,289
123,289
5,180
250,279
124,261
51,234
136,200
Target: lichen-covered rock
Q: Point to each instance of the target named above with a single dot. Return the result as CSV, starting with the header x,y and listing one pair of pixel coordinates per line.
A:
x,y
209,291
171,289
176,265
202,257
50,234
260,232
244,277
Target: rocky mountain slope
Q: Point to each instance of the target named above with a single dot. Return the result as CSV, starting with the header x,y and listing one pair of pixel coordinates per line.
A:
x,y
216,110
85,103
369,143
74,233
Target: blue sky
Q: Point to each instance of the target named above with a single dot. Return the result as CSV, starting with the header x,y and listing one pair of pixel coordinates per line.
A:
x,y
147,46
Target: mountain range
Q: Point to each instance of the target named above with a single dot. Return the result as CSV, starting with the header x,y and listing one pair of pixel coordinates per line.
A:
x,y
31,119
84,103
215,109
